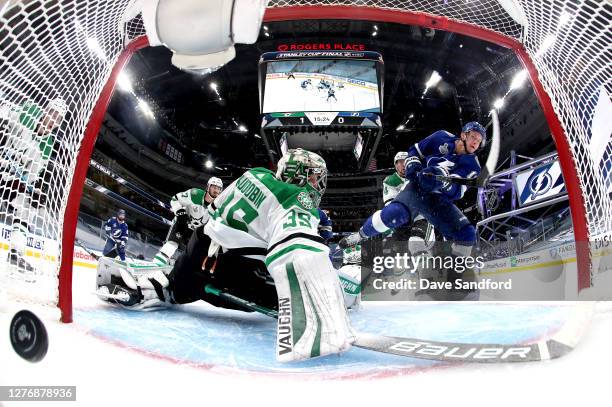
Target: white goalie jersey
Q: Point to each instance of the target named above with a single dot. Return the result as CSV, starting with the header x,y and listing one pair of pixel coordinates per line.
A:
x,y
259,211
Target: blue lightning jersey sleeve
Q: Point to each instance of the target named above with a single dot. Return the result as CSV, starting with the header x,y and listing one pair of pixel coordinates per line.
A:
x,y
325,225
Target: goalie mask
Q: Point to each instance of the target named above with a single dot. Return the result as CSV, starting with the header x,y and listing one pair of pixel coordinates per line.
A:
x,y
305,169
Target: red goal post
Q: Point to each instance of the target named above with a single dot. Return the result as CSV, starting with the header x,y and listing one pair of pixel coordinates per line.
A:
x,y
86,44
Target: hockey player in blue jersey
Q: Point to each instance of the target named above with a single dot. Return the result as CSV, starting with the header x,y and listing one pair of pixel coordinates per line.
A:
x,y
116,236
441,153
325,225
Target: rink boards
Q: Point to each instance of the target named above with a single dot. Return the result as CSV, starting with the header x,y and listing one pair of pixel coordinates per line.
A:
x,y
546,274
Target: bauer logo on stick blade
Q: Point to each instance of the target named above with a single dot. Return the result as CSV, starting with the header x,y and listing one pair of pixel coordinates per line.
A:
x,y
29,336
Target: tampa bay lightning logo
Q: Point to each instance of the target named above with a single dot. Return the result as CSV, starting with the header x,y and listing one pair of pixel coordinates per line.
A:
x,y
540,182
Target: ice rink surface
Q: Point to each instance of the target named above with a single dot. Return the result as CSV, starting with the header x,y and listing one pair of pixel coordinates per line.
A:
x,y
201,355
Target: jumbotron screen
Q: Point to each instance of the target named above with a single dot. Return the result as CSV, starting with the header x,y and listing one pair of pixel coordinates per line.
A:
x,y
325,85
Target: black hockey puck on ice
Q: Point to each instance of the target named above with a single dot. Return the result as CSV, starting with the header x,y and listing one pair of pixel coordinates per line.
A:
x,y
29,336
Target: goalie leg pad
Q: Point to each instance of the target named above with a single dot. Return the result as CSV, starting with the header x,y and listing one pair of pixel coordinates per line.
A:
x,y
350,279
166,252
147,287
312,318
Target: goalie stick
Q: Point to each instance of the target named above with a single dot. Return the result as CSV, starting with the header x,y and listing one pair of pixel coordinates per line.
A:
x,y
559,344
92,254
489,168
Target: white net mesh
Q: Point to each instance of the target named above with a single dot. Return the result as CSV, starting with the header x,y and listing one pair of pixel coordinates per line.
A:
x,y
63,51
55,58
484,13
569,43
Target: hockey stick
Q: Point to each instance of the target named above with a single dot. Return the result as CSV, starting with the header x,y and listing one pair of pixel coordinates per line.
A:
x,y
468,182
561,343
210,289
82,245
489,168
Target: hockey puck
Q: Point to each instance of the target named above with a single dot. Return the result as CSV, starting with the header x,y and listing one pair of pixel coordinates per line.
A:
x,y
29,336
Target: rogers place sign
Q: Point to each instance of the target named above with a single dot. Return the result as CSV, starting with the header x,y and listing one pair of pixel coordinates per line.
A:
x,y
321,46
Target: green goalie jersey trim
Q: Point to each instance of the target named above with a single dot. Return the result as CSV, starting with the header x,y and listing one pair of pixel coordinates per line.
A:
x,y
279,252
393,180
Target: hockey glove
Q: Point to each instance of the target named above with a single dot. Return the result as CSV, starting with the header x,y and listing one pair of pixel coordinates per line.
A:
x,y
413,166
428,183
182,219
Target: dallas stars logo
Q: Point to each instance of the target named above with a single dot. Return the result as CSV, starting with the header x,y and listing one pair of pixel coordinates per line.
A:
x,y
305,200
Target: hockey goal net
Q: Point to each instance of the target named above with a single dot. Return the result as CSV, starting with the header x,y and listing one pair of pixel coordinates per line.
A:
x,y
59,60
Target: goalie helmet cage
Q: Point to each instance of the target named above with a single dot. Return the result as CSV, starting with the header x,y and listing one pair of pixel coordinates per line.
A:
x,y
75,50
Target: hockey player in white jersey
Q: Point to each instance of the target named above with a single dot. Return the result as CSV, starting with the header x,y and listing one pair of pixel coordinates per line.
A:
x,y
189,208
266,222
29,157
393,184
